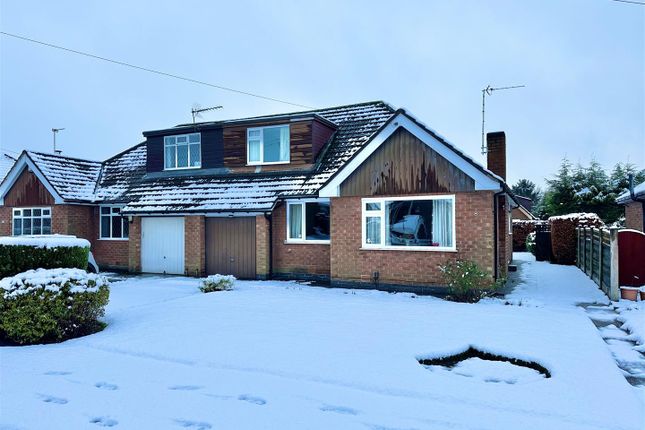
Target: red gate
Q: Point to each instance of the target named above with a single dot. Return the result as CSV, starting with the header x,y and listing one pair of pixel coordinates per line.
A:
x,y
631,258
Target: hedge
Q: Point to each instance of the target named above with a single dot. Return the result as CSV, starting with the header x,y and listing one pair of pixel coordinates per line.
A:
x,y
521,229
563,234
18,254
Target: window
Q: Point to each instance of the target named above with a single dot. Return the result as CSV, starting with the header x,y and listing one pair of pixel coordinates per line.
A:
x,y
32,221
426,223
113,224
182,151
308,221
268,145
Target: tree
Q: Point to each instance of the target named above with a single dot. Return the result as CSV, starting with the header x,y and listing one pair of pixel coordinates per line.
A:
x,y
560,197
527,188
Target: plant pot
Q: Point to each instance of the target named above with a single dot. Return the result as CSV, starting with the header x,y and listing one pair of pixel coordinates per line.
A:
x,y
629,293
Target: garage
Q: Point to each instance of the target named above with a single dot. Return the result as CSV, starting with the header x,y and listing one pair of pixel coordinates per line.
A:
x,y
162,245
230,246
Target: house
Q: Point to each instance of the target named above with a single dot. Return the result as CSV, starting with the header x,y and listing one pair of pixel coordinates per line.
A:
x,y
523,211
361,195
634,202
6,161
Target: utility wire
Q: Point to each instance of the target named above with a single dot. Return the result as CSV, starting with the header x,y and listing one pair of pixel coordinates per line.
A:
x,y
158,72
630,2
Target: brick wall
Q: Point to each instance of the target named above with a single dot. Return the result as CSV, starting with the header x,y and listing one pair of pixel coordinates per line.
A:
x,y
134,245
262,246
194,245
305,259
505,240
474,226
5,221
634,216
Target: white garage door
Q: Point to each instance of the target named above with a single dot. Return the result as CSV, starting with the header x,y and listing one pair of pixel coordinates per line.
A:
x,y
162,245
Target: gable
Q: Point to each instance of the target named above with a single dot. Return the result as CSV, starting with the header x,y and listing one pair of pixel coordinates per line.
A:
x,y
403,164
27,190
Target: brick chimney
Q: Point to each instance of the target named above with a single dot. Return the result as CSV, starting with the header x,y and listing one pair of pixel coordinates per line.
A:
x,y
496,162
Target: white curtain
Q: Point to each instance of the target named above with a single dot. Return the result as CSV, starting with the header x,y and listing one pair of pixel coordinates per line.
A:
x,y
442,222
254,150
295,221
284,143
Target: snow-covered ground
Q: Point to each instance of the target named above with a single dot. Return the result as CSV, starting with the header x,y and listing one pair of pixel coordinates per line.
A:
x,y
278,355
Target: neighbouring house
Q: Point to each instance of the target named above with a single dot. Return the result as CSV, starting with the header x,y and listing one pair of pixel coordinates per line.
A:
x,y
524,210
634,202
361,195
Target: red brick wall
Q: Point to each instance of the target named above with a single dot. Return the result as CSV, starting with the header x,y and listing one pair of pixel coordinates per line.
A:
x,y
474,218
505,240
5,221
194,245
262,246
634,216
311,259
134,245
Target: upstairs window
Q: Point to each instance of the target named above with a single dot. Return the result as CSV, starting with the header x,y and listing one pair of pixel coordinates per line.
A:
x,y
268,145
308,221
182,151
32,221
113,224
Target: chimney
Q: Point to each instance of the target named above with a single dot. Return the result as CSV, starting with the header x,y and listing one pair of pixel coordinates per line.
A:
x,y
496,144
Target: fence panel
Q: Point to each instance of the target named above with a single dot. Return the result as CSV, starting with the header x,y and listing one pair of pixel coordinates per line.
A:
x,y
598,258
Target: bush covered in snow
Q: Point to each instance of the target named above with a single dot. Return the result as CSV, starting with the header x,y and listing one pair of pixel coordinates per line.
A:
x,y
217,283
21,253
563,234
530,242
51,305
467,282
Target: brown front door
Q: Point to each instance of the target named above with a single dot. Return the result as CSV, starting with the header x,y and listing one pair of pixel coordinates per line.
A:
x,y
230,246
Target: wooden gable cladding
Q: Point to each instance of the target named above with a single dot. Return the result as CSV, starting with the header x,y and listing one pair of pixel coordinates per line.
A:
x,y
28,191
404,164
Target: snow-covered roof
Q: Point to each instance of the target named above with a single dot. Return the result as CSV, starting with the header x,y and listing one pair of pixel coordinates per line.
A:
x,y
6,161
639,191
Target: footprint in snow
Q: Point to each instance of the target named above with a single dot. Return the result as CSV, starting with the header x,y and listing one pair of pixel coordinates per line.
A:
x,y
196,425
104,421
252,399
185,387
57,373
339,409
106,386
51,399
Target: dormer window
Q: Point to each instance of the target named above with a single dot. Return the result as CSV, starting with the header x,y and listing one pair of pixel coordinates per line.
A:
x,y
268,145
183,151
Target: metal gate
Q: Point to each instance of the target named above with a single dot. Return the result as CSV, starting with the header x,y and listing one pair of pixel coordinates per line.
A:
x,y
230,246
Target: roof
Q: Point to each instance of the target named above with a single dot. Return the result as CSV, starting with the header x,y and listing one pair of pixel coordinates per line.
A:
x,y
6,161
525,202
123,178
639,193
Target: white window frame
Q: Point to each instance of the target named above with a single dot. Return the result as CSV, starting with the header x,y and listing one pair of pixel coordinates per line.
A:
x,y
303,212
111,215
381,213
20,212
261,130
188,143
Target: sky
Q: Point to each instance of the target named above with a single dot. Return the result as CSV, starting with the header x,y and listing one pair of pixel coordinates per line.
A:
x,y
582,61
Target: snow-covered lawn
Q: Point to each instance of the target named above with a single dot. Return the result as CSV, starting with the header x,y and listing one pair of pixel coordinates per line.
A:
x,y
278,355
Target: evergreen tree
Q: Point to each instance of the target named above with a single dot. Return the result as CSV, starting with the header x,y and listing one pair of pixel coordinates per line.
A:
x,y
526,188
560,197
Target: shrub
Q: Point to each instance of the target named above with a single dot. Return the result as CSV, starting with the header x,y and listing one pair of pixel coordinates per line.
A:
x,y
19,254
563,234
521,229
217,283
530,242
467,282
51,305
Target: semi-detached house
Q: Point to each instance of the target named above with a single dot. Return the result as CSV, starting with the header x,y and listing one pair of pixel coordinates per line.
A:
x,y
361,195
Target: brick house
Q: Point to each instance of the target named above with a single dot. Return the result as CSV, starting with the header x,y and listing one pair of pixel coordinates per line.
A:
x,y
634,203
360,195
523,210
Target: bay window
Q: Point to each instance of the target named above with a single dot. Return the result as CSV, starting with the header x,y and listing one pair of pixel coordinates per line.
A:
x,y
423,223
113,224
308,221
32,221
268,145
182,151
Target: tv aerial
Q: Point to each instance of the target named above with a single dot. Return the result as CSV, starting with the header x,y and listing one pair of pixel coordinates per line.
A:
x,y
488,91
197,110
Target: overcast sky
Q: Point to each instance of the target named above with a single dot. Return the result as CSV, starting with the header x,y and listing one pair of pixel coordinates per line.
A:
x,y
582,61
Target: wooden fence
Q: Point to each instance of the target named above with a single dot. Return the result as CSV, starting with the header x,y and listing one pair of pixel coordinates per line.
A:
x,y
597,256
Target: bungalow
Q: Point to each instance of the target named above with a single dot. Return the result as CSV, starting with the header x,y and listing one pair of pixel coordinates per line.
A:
x,y
524,210
361,195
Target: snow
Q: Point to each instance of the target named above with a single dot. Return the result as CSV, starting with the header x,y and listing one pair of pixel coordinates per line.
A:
x,y
50,280
45,241
284,355
491,371
626,196
582,217
632,317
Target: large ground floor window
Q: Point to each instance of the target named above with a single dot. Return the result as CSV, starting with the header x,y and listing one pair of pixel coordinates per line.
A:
x,y
426,223
308,221
28,221
113,224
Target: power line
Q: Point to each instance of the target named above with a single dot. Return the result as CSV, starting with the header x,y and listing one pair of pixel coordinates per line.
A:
x,y
158,72
630,2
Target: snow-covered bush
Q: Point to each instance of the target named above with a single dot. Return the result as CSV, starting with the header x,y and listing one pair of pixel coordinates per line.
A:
x,y
467,282
51,305
21,253
530,243
563,234
217,283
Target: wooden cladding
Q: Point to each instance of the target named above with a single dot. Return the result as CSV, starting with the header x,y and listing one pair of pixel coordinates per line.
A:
x,y
404,164
230,247
28,191
211,150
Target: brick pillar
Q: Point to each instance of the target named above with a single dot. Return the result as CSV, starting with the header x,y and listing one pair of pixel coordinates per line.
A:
x,y
6,217
195,245
134,245
262,247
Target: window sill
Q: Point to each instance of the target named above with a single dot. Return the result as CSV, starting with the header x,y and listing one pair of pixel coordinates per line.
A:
x,y
170,169
114,239
271,163
408,248
306,242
